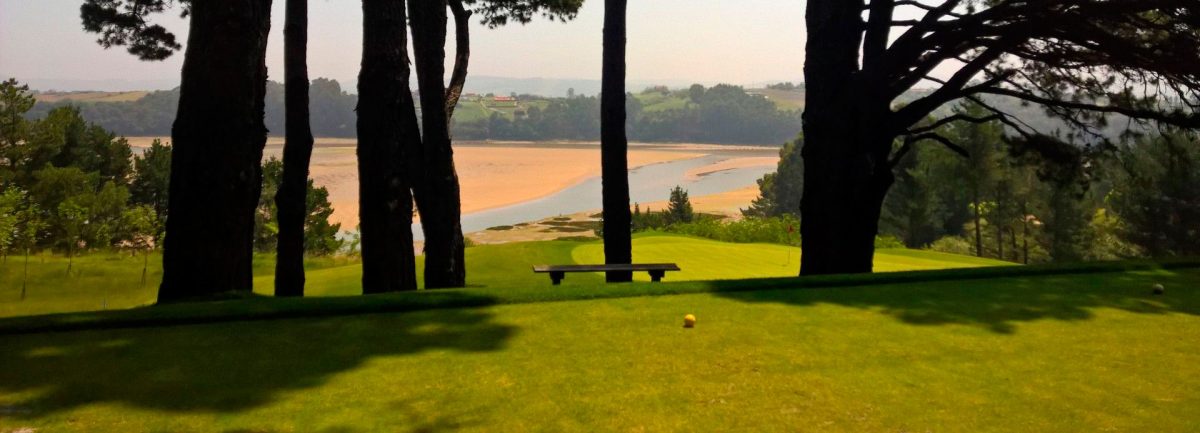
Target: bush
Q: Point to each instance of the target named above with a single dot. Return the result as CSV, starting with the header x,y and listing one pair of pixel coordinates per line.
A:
x,y
776,230
953,245
887,241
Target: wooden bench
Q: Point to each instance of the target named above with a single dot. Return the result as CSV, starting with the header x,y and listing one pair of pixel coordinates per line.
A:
x,y
557,272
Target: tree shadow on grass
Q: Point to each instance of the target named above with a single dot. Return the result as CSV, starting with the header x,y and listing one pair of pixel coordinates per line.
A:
x,y
999,304
228,367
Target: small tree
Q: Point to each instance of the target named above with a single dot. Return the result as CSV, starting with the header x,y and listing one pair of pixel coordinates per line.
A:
x,y
15,101
679,207
10,202
151,178
142,230
28,230
72,218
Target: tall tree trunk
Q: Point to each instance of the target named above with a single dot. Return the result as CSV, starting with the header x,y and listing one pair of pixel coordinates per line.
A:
x,y
1012,243
614,160
438,197
291,200
1024,233
846,171
218,140
387,142
25,275
978,230
999,242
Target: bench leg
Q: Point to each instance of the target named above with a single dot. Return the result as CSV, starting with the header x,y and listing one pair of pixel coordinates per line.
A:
x,y
557,277
656,276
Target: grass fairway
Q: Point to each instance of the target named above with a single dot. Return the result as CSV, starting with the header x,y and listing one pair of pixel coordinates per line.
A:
x,y
1066,353
703,259
113,281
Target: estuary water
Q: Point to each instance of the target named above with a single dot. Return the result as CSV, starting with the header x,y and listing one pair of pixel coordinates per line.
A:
x,y
648,183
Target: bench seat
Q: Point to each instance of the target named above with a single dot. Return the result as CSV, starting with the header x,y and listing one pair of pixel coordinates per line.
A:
x,y
557,272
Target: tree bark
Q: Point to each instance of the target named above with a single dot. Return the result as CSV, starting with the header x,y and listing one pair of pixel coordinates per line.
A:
x,y
438,196
846,170
999,242
462,56
218,140
291,199
978,229
387,140
618,248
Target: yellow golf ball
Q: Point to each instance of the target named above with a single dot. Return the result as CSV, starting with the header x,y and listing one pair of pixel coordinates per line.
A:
x,y
689,321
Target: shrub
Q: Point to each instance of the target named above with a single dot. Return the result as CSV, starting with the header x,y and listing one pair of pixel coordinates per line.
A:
x,y
775,230
887,241
953,245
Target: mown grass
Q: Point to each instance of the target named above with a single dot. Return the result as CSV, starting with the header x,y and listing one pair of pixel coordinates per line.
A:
x,y
113,281
1062,353
703,259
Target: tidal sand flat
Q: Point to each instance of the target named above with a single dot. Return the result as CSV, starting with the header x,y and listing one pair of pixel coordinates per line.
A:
x,y
492,175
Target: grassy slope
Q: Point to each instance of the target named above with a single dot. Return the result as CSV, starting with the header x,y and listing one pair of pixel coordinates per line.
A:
x,y
784,99
103,281
655,101
703,259
475,110
1053,353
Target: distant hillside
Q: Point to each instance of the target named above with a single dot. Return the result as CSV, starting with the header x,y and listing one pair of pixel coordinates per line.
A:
x,y
86,96
554,87
660,114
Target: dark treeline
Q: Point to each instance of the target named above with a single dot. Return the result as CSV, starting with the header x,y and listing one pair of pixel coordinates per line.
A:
x,y
71,186
1030,202
332,111
719,114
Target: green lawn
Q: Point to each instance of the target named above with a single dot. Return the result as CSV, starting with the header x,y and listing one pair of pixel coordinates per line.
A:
x,y
703,259
113,281
1061,353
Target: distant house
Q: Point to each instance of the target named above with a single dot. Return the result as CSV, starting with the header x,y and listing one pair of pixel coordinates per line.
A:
x,y
504,99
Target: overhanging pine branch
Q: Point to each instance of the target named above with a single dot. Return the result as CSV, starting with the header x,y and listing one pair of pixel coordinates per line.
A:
x,y
955,118
912,140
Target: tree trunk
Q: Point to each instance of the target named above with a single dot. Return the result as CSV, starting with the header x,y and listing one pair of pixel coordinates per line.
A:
x,y
978,232
218,140
1024,233
999,242
387,138
1012,243
614,160
846,170
25,275
145,265
291,199
438,197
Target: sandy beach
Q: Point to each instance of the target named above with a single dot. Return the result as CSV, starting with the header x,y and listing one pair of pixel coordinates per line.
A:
x,y
495,175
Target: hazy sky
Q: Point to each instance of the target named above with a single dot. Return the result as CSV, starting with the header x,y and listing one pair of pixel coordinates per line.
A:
x,y
708,41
